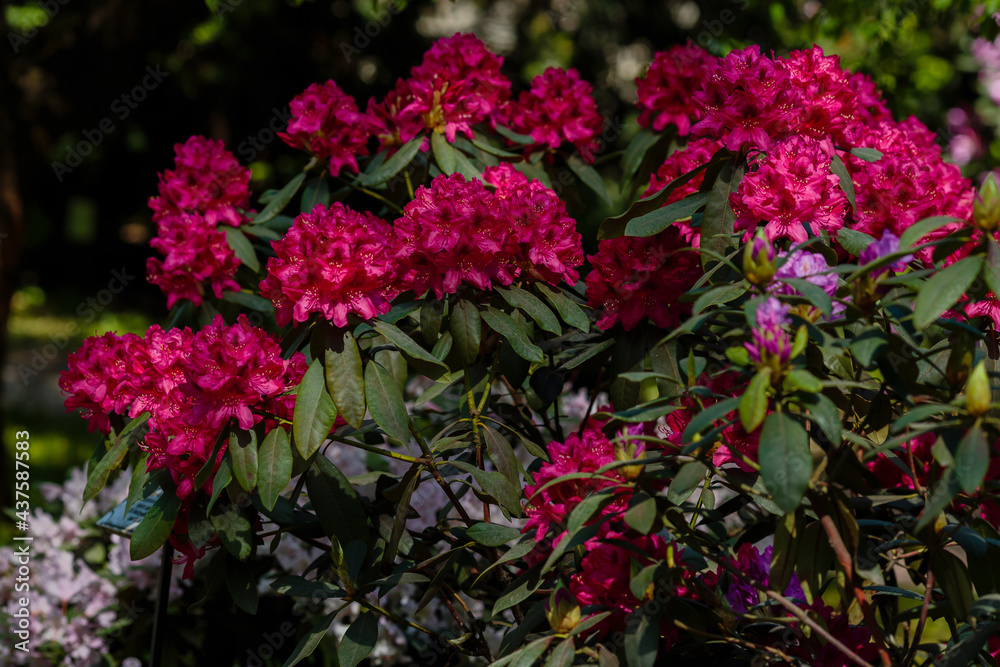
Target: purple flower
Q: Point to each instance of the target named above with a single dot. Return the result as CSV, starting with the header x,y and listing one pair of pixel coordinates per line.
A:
x,y
809,266
773,313
771,346
741,595
888,244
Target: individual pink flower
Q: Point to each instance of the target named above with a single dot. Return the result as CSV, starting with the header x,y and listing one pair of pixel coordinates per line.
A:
x,y
452,232
635,278
987,306
558,108
333,261
326,122
206,179
793,187
542,241
747,100
457,85
664,93
388,120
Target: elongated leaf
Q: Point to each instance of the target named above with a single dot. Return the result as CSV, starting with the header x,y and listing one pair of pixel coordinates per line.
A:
x,y
280,200
501,454
590,177
234,531
492,535
385,402
853,241
785,462
300,587
223,477
444,153
641,514
563,654
972,459
642,638
839,169
636,151
466,329
337,505
316,192
718,221
155,527
867,154
825,414
708,416
97,474
251,301
242,585
274,466
656,221
687,479
494,484
394,164
360,638
345,380
952,575
418,357
136,485
944,289
311,640
720,294
243,452
753,405
532,306
940,497
508,328
921,228
314,413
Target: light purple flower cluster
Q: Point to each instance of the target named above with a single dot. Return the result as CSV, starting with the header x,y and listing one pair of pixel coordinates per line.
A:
x,y
812,267
888,244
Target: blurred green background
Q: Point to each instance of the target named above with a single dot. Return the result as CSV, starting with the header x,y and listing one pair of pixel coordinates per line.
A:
x,y
68,221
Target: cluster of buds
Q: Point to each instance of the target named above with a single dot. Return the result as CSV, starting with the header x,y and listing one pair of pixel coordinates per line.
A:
x,y
772,345
759,264
986,208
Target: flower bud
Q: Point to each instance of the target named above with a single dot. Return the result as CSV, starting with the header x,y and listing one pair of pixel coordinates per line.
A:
x,y
562,611
963,350
758,260
628,453
977,391
986,208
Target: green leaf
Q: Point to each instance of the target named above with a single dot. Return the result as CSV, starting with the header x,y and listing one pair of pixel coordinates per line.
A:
x,y
97,474
311,640
718,221
492,535
815,294
753,404
275,466
335,502
641,514
940,497
494,484
825,414
501,454
944,289
687,479
589,176
785,462
300,587
444,153
136,485
952,575
314,413
466,329
242,585
244,457
972,459
345,380
921,228
707,417
234,531
155,527
867,154
251,301
360,638
394,164
654,222
316,192
563,654
507,133
385,402
506,327
280,200
839,169
720,294
802,380
223,476
532,306
853,241
642,638
418,357
568,310
636,151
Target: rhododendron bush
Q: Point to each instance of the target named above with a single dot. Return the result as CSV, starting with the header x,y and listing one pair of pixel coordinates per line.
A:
x,y
782,361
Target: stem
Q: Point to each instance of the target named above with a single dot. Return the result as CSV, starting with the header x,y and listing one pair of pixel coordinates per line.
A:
x,y
409,184
912,653
376,450
847,564
428,458
374,607
372,193
474,416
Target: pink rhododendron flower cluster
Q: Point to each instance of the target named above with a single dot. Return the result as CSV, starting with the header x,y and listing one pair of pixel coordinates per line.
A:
x,y
326,122
636,278
664,93
207,187
333,261
458,85
559,108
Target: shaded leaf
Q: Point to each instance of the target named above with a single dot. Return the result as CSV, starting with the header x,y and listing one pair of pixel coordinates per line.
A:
x,y
385,402
274,466
279,201
314,413
785,462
